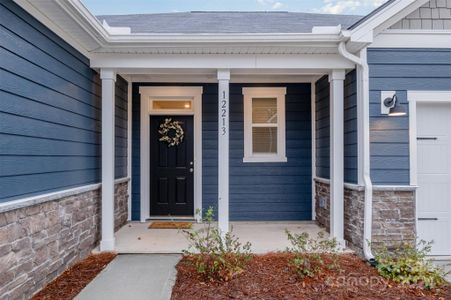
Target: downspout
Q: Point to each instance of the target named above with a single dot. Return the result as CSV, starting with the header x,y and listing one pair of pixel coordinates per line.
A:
x,y
365,178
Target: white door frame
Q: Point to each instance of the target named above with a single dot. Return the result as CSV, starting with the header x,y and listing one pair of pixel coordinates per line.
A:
x,y
149,93
415,97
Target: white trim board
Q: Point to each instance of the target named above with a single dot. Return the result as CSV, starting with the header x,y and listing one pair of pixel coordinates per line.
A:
x,y
206,77
313,141
151,92
119,62
43,198
129,147
396,38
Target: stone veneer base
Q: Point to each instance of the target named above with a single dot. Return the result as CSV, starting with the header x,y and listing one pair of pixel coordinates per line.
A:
x,y
38,242
393,215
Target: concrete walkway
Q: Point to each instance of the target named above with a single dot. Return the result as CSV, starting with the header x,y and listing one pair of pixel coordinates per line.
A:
x,y
265,237
139,276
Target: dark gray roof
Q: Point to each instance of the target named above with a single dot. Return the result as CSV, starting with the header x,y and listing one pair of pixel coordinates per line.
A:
x,y
371,14
228,22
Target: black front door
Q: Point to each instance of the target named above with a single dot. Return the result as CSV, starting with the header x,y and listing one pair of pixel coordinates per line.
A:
x,y
171,167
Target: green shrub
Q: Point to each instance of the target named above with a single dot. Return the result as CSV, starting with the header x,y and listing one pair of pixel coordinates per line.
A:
x,y
407,264
309,253
215,256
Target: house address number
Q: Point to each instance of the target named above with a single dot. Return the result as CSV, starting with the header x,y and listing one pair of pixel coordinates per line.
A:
x,y
223,113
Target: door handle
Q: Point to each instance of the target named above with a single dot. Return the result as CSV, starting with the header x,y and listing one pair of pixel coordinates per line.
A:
x,y
191,170
427,138
427,219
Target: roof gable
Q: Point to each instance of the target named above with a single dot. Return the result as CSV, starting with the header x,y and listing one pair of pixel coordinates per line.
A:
x,y
435,15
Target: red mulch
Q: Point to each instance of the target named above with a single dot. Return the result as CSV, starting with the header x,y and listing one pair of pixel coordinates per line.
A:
x,y
74,279
270,277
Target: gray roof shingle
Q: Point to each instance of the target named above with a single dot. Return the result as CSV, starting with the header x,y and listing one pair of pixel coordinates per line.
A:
x,y
227,22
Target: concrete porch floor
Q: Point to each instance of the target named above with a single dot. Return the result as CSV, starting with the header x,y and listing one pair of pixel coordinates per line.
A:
x,y
135,237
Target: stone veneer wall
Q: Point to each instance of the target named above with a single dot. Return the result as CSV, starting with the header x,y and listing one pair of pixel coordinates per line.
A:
x,y
393,215
322,204
38,242
120,205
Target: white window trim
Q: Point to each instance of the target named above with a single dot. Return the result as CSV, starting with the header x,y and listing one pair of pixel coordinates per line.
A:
x,y
264,92
170,92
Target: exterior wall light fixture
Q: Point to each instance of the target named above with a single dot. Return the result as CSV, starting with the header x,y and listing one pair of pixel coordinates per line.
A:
x,y
390,105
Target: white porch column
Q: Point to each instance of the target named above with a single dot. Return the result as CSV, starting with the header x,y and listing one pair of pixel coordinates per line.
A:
x,y
336,80
108,77
223,150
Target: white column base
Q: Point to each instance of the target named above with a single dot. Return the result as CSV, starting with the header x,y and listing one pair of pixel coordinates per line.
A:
x,y
107,245
341,244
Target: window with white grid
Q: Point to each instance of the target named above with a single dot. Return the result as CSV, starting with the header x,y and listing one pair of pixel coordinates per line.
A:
x,y
264,124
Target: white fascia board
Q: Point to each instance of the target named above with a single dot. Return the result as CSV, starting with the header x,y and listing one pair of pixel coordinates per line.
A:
x,y
182,38
218,61
384,18
87,21
398,38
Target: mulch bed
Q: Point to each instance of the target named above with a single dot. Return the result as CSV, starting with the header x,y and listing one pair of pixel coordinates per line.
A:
x,y
270,277
74,279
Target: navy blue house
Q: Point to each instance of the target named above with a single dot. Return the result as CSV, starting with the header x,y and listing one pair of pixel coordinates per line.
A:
x,y
340,120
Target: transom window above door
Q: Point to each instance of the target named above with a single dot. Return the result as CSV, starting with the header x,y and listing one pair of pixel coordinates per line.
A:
x,y
166,105
171,104
264,124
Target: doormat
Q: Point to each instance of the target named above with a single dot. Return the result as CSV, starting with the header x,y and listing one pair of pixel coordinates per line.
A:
x,y
170,225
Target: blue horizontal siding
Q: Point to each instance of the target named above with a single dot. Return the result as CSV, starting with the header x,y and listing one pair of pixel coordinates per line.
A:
x,y
350,128
322,127
121,125
322,121
261,191
400,70
258,191
50,109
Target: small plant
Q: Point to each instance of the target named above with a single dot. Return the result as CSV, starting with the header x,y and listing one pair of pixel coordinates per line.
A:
x,y
309,253
216,255
407,264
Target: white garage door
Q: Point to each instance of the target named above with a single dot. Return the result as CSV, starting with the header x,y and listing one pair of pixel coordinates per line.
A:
x,y
434,175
